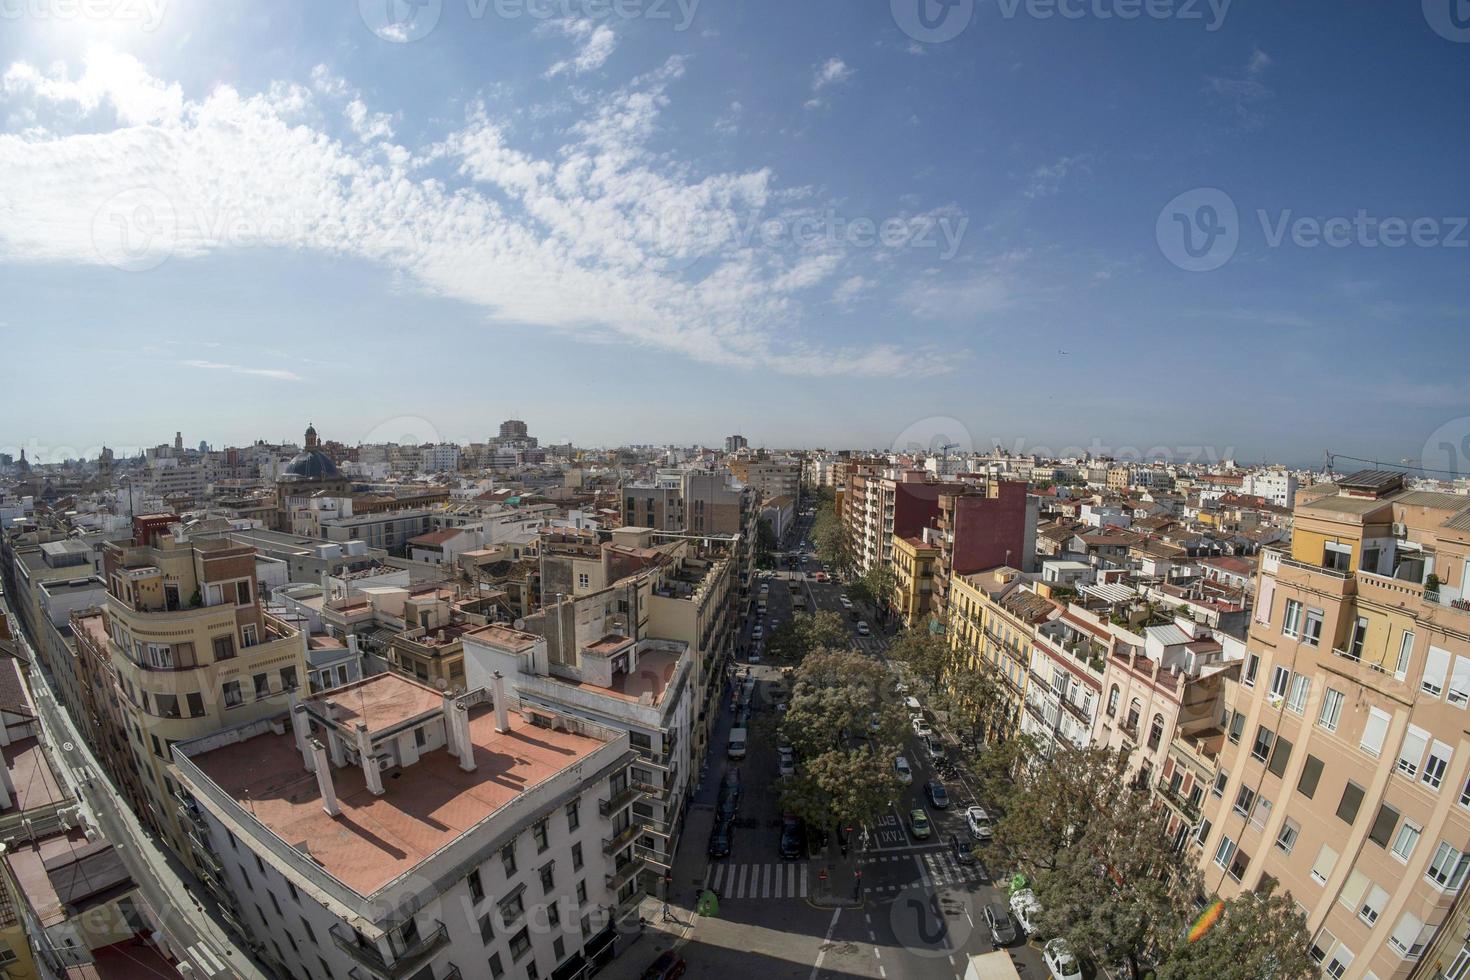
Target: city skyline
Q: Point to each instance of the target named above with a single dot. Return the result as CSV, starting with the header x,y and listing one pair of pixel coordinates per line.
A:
x,y
623,195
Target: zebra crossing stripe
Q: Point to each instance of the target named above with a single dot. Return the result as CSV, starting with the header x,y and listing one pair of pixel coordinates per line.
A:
x,y
758,880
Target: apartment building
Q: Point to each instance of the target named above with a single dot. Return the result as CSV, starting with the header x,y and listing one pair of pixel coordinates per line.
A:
x,y
770,478
1344,772
913,572
695,501
384,829
887,506
991,622
192,650
986,525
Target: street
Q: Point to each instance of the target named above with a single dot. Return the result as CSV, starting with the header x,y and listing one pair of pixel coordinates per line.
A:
x,y
920,911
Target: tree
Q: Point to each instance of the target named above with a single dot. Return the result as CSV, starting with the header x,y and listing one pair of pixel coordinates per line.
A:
x,y
973,700
879,583
765,543
829,538
925,653
841,787
1259,936
792,641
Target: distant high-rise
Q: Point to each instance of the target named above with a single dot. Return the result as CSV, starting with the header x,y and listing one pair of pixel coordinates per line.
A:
x,y
513,429
178,442
734,444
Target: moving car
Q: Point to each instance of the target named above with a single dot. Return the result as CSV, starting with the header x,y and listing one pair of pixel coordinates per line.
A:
x,y
669,966
1060,961
979,823
846,602
998,921
719,839
937,794
919,824
786,763
765,588
736,748
905,773
862,628
963,855
791,836
1026,909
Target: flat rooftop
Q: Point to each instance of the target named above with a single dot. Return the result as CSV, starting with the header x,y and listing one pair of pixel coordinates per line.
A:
x,y
380,702
427,805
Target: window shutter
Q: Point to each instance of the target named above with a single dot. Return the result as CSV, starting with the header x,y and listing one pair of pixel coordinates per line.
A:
x,y
1311,772
1280,755
1412,753
1383,825
1352,892
1436,665
1406,933
1352,798
1374,731
1459,691
1326,861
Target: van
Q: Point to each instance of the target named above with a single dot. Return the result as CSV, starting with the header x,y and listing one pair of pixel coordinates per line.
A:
x,y
736,749
905,774
1026,910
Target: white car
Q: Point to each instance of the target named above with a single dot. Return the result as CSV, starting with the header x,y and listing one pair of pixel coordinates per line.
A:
x,y
765,588
921,727
1026,909
862,628
912,703
786,765
846,602
757,633
905,774
1060,961
979,823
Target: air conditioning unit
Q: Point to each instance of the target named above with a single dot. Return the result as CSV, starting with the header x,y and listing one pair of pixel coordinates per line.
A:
x,y
1400,531
385,762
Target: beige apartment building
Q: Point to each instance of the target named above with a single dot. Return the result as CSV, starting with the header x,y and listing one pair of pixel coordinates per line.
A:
x,y
1343,774
192,649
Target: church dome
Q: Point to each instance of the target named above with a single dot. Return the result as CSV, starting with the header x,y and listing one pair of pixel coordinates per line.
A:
x,y
312,464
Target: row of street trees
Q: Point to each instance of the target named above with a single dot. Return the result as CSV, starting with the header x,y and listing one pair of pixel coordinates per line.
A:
x,y
1093,845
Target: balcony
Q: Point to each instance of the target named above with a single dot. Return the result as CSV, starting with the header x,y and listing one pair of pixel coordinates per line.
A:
x,y
1188,810
620,877
619,801
612,845
405,960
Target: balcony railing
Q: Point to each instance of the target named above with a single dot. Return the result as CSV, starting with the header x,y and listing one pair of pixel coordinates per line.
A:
x,y
620,800
1178,802
620,877
612,845
405,960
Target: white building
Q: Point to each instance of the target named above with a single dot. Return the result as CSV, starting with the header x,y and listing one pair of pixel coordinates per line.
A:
x,y
441,458
387,830
1278,486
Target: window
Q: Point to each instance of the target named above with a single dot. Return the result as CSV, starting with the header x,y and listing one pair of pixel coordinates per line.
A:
x,y
512,908
1280,677
1321,946
520,944
1341,960
1447,870
1252,667
1372,906
326,968
1352,799
1261,814
487,928
477,887
582,893
224,647
1201,835
508,858
310,932
295,896
1290,831
1311,772
1221,778
196,704
262,685
1301,689
248,637
1156,732
242,593
1261,750
1406,650
1312,632
1411,753
538,833
582,580
1280,756
1435,765
1237,725
1322,867
553,915
1459,690
1331,711
496,970
275,903
288,678
1224,852
231,694
1291,623
1409,936
1113,701
1436,666
1383,825
548,877
577,857
1243,801
1374,731
1403,843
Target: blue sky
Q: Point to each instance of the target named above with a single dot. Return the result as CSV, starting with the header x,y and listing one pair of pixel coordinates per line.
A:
x,y
657,222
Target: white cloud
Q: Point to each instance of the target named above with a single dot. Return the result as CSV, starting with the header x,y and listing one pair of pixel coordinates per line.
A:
x,y
601,236
108,78
1046,180
275,374
728,122
1241,91
833,71
850,289
597,43
994,287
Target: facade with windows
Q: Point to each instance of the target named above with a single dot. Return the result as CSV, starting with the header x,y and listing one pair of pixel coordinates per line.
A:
x,y
1345,776
192,651
387,830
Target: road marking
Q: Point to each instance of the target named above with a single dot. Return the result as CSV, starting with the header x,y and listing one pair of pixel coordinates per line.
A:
x,y
826,941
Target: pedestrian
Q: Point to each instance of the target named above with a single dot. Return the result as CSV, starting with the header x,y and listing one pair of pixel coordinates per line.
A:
x,y
668,916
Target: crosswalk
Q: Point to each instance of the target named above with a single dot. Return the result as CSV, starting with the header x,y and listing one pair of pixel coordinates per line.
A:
x,y
941,868
758,880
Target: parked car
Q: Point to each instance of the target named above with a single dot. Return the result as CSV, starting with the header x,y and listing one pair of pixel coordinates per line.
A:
x,y
758,633
998,921
905,773
1026,909
791,836
862,628
729,803
1060,961
937,794
765,588
719,839
846,602
963,854
786,763
979,822
912,703
921,727
668,966
935,747
919,824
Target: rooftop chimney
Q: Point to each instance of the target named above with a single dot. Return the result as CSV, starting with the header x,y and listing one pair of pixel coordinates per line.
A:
x,y
324,778
459,718
502,717
301,730
370,773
